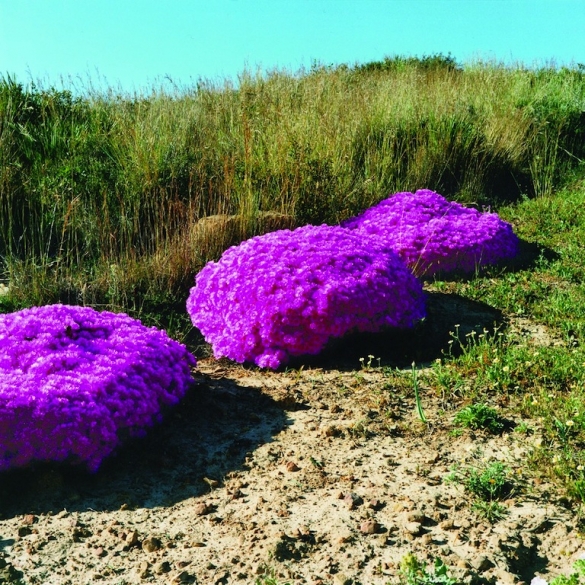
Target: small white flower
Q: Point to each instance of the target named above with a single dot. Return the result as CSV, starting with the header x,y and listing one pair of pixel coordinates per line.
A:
x,y
538,581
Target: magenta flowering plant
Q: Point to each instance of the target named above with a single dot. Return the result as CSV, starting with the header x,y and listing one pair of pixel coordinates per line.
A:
x,y
74,382
287,293
432,234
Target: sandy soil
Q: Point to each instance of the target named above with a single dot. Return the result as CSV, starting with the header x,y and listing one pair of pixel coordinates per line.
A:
x,y
320,474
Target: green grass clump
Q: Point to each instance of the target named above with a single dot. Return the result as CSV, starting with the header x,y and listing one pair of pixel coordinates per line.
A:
x,y
489,484
479,416
577,577
414,572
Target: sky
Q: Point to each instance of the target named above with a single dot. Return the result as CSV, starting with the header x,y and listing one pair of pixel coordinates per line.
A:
x,y
135,45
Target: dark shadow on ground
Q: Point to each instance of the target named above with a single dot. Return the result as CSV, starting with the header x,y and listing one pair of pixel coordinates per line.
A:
x,y
206,436
529,254
450,318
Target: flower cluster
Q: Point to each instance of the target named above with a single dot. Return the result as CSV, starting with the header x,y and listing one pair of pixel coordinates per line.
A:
x,y
287,293
432,234
74,382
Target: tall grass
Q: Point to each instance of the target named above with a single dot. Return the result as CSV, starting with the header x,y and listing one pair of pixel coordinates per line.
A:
x,y
115,199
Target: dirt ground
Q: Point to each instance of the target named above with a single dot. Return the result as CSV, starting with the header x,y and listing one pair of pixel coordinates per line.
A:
x,y
320,474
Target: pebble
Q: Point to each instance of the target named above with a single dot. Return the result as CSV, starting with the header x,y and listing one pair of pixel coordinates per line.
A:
x,y
331,431
370,527
143,570
182,577
341,579
413,528
202,508
292,466
29,519
352,500
481,563
132,538
151,544
415,516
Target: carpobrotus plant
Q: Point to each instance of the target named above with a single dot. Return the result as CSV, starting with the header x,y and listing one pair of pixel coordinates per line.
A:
x,y
74,382
432,234
287,293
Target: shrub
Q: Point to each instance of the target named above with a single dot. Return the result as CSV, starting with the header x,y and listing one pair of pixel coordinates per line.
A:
x,y
74,382
434,235
287,293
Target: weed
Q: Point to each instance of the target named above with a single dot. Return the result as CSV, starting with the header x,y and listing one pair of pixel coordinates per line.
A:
x,y
577,577
490,482
414,572
367,365
419,408
479,416
490,511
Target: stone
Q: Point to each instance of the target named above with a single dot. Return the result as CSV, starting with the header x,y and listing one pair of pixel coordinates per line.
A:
x,y
370,527
151,544
413,528
202,508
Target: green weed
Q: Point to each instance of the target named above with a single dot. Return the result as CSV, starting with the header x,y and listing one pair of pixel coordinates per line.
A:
x,y
479,416
488,484
414,572
419,408
577,577
490,511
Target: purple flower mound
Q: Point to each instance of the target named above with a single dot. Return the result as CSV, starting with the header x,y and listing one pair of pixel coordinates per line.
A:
x,y
286,293
74,382
432,234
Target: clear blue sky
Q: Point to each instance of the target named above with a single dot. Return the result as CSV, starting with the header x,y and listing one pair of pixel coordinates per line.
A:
x,y
133,44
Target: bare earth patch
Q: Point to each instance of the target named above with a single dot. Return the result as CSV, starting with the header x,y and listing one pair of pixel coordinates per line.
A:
x,y
320,475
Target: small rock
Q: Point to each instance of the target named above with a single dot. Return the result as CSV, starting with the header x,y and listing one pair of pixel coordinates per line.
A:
x,y
481,563
331,431
415,516
432,457
24,531
413,528
341,579
143,570
182,577
202,508
343,538
29,519
259,568
446,524
382,540
352,500
292,466
131,538
370,527
151,544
